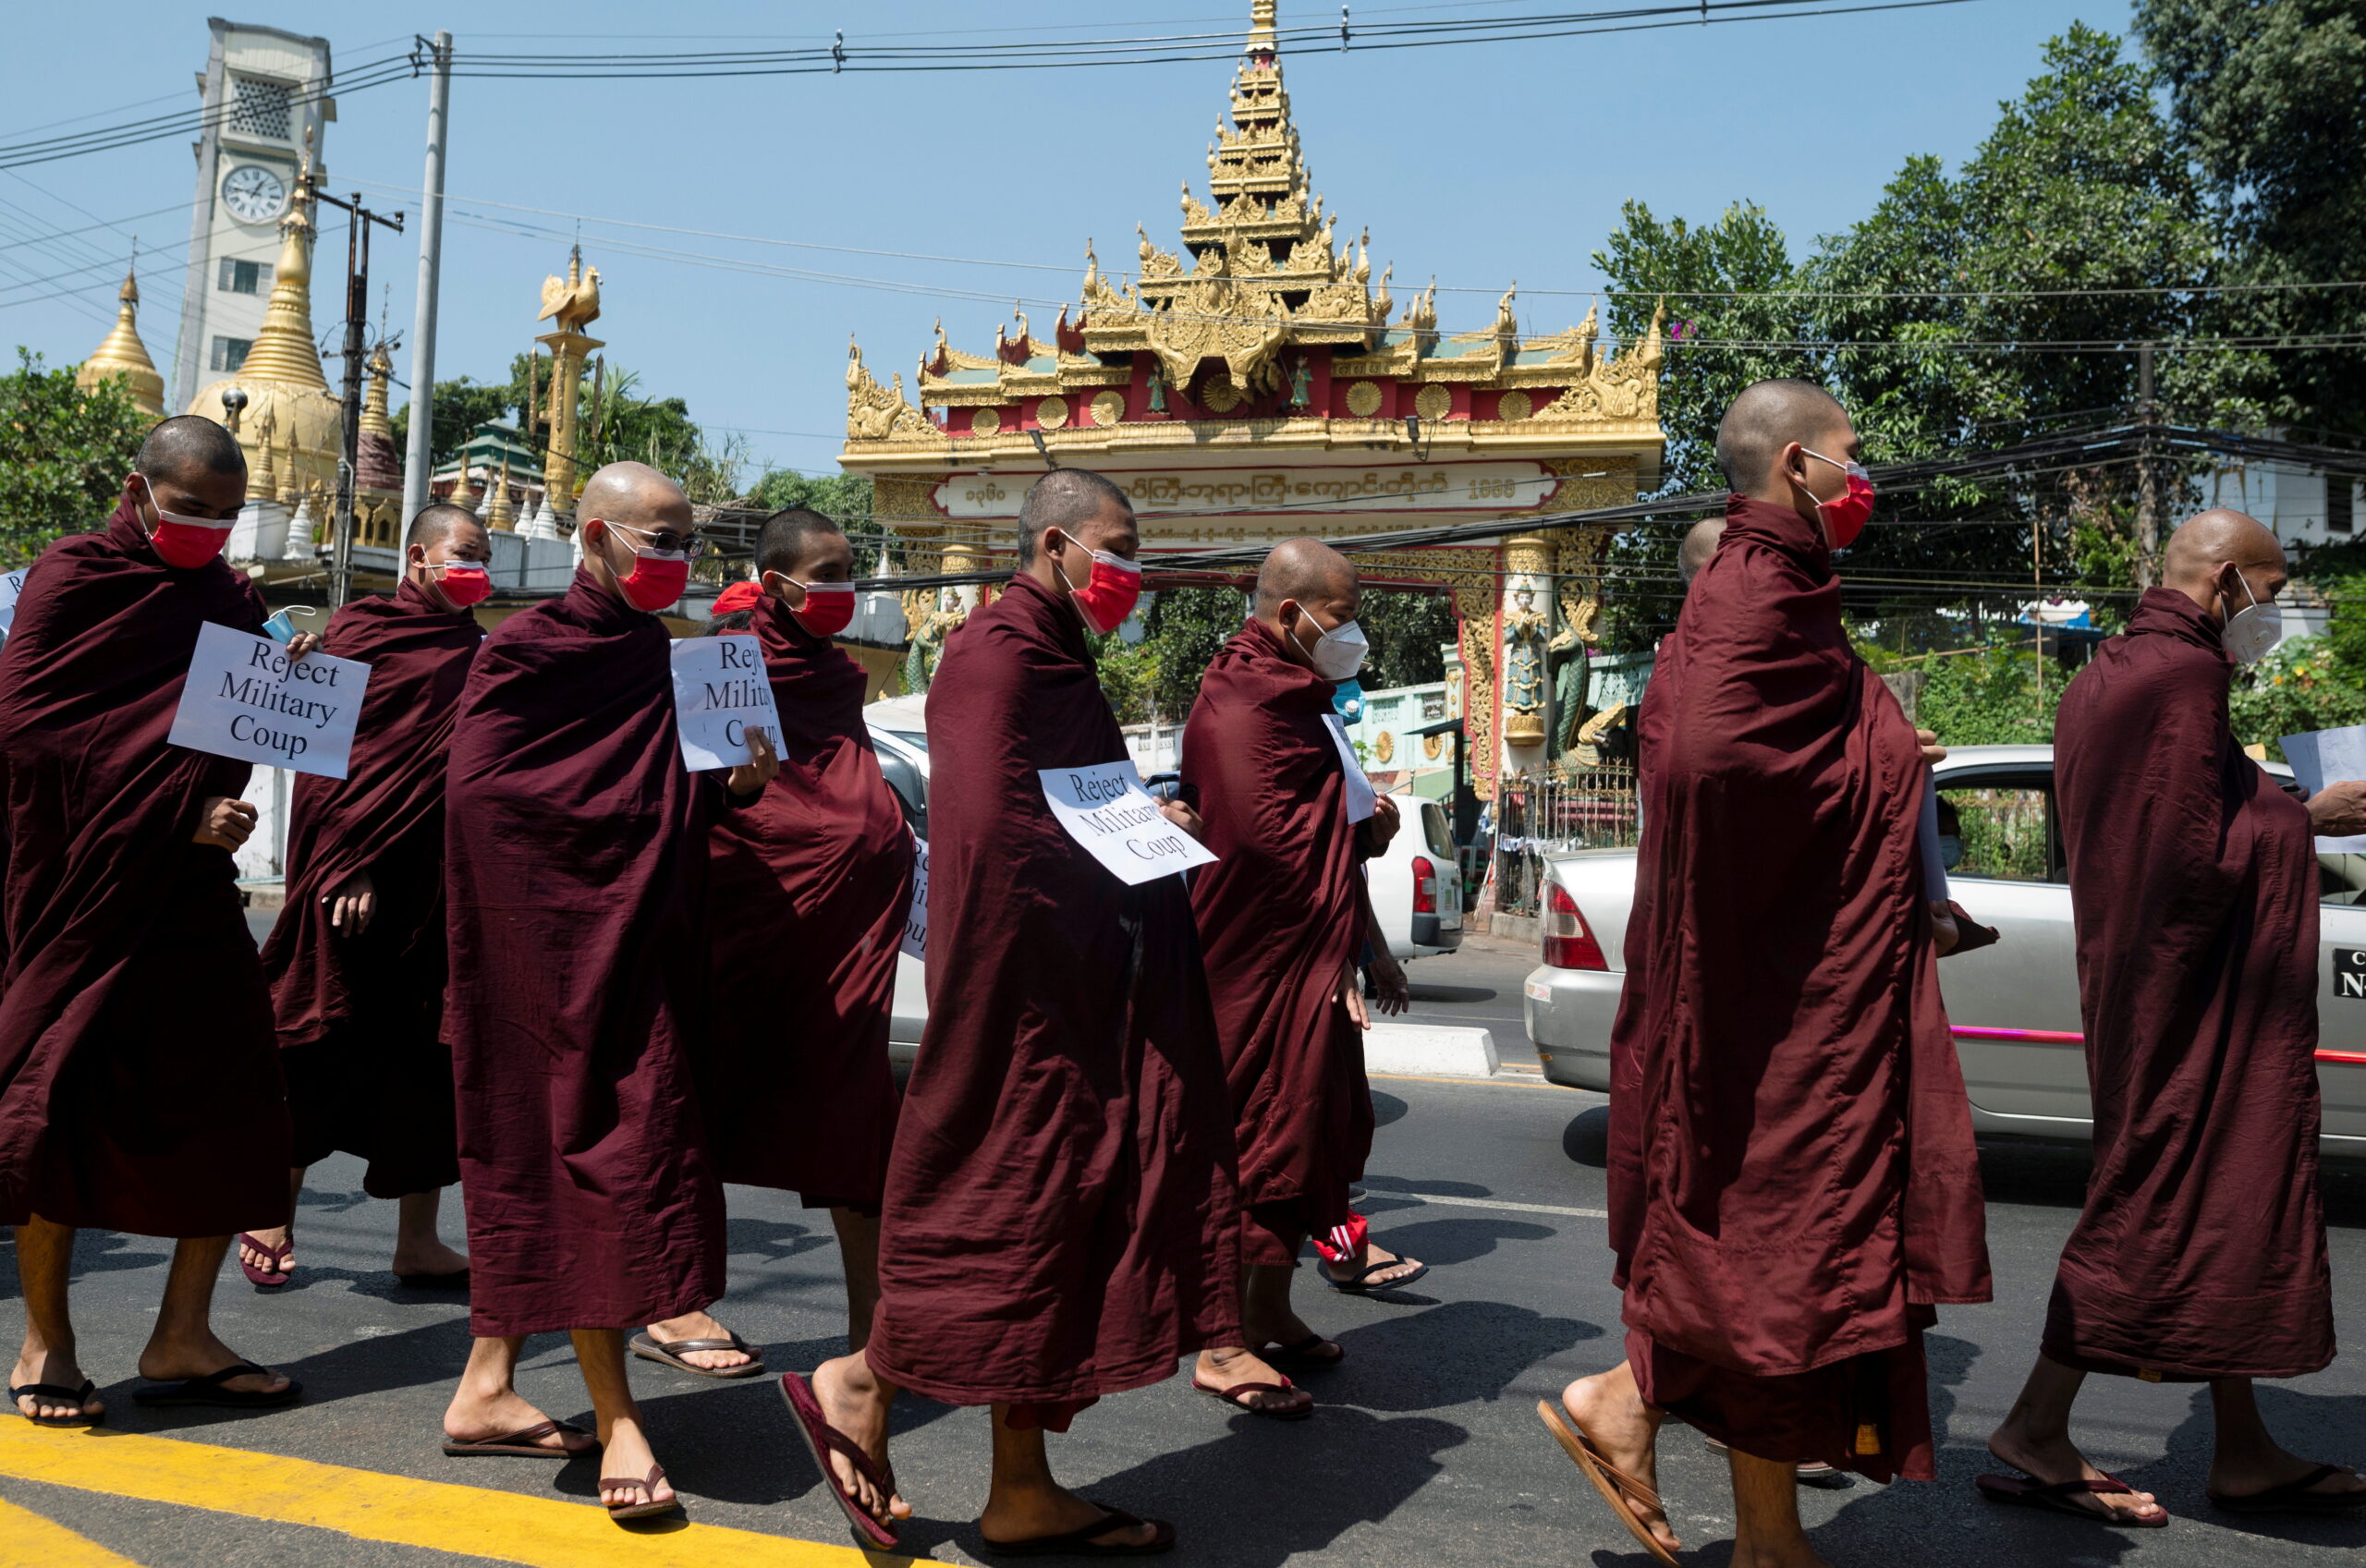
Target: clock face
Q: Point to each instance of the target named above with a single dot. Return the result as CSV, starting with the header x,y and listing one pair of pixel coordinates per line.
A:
x,y
254,194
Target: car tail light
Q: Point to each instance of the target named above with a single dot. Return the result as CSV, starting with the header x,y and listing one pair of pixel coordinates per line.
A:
x,y
1568,943
1426,887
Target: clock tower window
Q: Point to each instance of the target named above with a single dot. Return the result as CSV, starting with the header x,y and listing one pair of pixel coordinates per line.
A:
x,y
243,277
260,108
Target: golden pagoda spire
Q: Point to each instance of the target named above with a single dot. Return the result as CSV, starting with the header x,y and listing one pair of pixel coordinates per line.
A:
x,y
284,350
373,399
499,515
1261,26
122,354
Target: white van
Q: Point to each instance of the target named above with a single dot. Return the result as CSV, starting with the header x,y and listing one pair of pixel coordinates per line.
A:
x,y
1417,886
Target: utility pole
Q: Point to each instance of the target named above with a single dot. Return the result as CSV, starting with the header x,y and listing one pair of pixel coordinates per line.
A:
x,y
356,325
417,459
2148,478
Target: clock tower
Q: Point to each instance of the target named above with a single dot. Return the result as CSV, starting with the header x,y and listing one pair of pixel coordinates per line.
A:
x,y
264,90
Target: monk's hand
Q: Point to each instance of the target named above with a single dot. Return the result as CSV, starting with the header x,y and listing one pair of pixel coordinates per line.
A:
x,y
750,777
1932,752
1385,820
2338,810
1183,817
1388,985
351,906
1944,927
224,822
1352,996
302,643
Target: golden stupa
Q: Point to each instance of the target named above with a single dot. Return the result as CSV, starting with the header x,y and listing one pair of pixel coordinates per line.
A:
x,y
288,402
125,356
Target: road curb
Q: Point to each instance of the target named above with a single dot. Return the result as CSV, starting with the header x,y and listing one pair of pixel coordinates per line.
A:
x,y
1428,1049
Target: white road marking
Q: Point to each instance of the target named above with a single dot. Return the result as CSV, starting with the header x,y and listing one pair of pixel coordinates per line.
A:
x,y
1490,1203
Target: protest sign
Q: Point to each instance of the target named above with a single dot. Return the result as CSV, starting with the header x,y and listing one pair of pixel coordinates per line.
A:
x,y
12,584
1106,808
2323,757
720,689
915,916
247,699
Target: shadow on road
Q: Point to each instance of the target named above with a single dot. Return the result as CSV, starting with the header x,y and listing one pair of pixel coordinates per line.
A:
x,y
1450,1355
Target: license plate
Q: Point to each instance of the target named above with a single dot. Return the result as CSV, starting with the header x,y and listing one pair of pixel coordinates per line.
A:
x,y
1538,991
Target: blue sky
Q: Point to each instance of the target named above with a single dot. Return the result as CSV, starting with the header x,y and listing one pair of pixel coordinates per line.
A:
x,y
1479,165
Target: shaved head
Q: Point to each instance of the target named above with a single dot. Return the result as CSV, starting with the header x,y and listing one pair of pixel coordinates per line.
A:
x,y
189,447
1768,417
1700,543
788,535
1307,570
435,524
634,494
2223,561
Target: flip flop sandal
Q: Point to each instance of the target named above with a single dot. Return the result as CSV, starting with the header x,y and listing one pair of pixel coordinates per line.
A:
x,y
271,1278
1086,1542
209,1390
2022,1491
670,1355
520,1444
1302,1357
1618,1488
1361,1283
2294,1497
623,1511
1233,1396
456,1280
820,1439
58,1394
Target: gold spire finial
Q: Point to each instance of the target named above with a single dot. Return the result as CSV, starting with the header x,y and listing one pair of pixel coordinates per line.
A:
x,y
500,516
373,398
121,354
1261,24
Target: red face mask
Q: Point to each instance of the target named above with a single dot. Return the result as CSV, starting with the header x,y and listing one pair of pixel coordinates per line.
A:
x,y
1846,518
185,542
1109,595
828,608
657,576
464,582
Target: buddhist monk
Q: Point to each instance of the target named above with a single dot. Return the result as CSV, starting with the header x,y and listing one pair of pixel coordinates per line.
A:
x,y
1793,1185
1283,915
139,1085
1700,543
356,960
575,871
809,887
1059,1220
2200,1256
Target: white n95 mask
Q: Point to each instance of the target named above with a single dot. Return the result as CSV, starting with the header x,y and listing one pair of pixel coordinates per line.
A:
x,y
2254,630
1338,653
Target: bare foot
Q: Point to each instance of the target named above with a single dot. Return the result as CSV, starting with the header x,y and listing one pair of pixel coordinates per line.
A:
x,y
698,1326
482,1414
1230,1366
855,1401
428,1257
1608,1410
2256,1474
278,1235
1387,1267
625,1451
202,1355
1021,1513
1798,1554
2056,1459
60,1368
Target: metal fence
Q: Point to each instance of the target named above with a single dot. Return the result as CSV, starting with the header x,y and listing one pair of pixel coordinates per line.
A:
x,y
1553,811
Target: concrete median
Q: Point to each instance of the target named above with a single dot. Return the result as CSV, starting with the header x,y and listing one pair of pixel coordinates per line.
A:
x,y
1430,1051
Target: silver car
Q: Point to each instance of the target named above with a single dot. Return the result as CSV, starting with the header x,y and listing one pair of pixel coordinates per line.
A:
x,y
2014,1006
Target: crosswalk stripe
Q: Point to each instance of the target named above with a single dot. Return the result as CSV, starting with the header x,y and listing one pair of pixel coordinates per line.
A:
x,y
536,1531
28,1540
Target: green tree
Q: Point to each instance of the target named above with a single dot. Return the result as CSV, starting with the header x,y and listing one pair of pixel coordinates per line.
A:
x,y
460,405
843,498
65,452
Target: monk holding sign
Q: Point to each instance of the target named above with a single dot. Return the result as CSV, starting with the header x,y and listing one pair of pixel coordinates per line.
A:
x,y
1793,1185
138,1083
808,885
577,876
357,959
1283,916
1060,1218
2200,1257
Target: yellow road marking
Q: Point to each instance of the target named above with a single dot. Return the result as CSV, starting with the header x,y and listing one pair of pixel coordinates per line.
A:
x,y
537,1531
28,1540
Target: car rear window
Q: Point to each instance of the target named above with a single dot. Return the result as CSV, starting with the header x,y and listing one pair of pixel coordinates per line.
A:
x,y
1434,829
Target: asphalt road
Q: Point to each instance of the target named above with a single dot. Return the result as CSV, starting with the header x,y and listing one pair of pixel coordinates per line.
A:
x,y
1477,985
1426,1449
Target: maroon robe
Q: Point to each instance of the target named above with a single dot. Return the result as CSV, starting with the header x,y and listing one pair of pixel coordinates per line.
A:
x,y
1793,1185
1060,1217
576,866
1282,914
139,1084
361,1017
2193,888
809,887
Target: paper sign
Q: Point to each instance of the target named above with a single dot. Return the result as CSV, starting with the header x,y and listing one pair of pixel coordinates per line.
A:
x,y
916,917
1360,793
720,689
2324,756
1106,808
247,699
12,585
